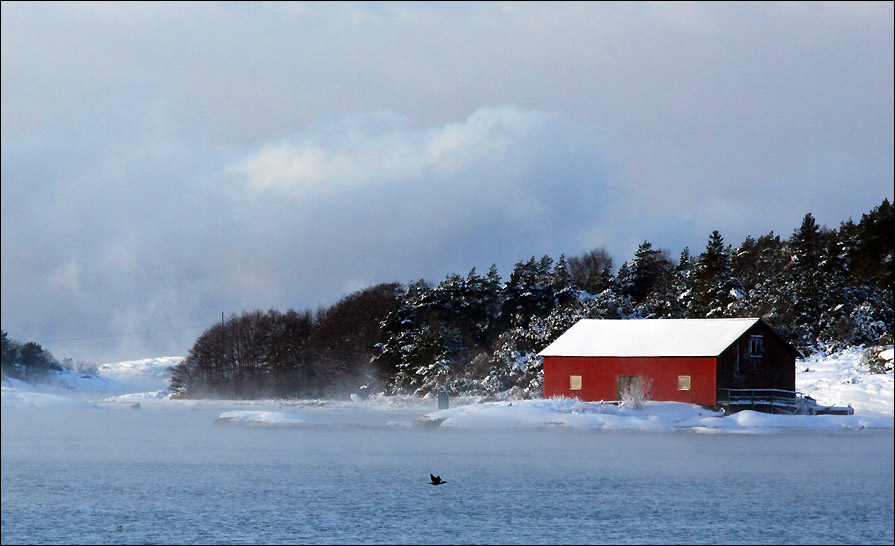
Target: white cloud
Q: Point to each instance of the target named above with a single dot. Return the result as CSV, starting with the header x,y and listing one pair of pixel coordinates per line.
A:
x,y
356,153
353,200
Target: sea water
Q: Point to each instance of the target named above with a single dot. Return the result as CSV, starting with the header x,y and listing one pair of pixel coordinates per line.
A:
x,y
173,476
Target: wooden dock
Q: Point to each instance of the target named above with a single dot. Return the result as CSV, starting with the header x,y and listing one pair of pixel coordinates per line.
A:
x,y
775,401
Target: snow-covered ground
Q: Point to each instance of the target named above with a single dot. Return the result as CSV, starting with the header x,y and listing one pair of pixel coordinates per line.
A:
x,y
149,374
16,394
653,416
840,379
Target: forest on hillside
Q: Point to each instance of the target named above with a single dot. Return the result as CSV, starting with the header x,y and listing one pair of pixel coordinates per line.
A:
x,y
820,288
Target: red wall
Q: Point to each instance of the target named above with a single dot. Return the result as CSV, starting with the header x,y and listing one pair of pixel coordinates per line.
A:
x,y
598,377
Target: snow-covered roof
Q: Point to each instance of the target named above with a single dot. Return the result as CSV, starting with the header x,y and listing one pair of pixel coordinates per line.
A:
x,y
649,337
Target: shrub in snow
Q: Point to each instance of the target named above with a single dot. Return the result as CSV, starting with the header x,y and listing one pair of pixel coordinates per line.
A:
x,y
636,393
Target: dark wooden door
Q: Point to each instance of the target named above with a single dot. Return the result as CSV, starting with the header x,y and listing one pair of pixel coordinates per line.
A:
x,y
627,383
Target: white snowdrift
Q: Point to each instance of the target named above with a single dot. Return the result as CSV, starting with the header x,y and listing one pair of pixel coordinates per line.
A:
x,y
754,422
653,416
564,412
13,397
265,419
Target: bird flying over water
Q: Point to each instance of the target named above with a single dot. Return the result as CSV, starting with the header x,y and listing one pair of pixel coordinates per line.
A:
x,y
436,480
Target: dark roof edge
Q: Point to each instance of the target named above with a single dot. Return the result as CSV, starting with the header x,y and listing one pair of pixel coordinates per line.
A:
x,y
774,333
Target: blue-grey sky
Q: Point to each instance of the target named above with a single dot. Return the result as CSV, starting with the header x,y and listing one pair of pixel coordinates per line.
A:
x,y
165,162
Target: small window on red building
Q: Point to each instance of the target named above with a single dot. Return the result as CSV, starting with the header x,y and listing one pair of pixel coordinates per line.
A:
x,y
683,382
574,382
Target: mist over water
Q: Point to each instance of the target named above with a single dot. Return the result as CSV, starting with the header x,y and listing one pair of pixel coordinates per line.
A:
x,y
171,475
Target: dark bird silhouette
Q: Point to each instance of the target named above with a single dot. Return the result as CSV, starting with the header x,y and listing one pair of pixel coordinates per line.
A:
x,y
436,480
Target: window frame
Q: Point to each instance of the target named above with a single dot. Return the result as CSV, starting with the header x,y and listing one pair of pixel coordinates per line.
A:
x,y
756,342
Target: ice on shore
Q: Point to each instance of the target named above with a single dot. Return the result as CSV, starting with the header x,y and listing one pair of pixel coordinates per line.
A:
x,y
839,379
265,419
652,416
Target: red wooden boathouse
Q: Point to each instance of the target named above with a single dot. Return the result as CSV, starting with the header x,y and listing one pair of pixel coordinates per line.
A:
x,y
680,360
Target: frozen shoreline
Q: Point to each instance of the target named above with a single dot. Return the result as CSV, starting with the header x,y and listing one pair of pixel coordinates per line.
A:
x,y
838,379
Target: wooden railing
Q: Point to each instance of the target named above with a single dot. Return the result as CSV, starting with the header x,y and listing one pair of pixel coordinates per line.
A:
x,y
753,395
776,401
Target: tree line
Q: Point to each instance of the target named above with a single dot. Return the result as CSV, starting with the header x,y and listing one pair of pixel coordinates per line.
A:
x,y
821,289
27,362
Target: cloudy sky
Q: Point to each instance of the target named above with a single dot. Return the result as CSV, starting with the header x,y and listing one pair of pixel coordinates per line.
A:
x,y
164,163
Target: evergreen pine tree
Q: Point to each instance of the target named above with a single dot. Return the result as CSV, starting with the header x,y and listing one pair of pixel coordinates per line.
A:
x,y
872,257
8,351
530,291
663,299
645,270
712,285
804,283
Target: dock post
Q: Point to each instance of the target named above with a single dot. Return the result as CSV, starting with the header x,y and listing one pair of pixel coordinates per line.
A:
x,y
443,400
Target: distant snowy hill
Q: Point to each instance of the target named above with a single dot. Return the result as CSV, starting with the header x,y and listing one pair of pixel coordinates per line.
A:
x,y
149,374
67,381
147,378
65,388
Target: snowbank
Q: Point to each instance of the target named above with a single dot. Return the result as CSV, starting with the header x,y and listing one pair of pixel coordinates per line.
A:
x,y
15,394
755,422
888,354
653,416
843,379
563,412
265,419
